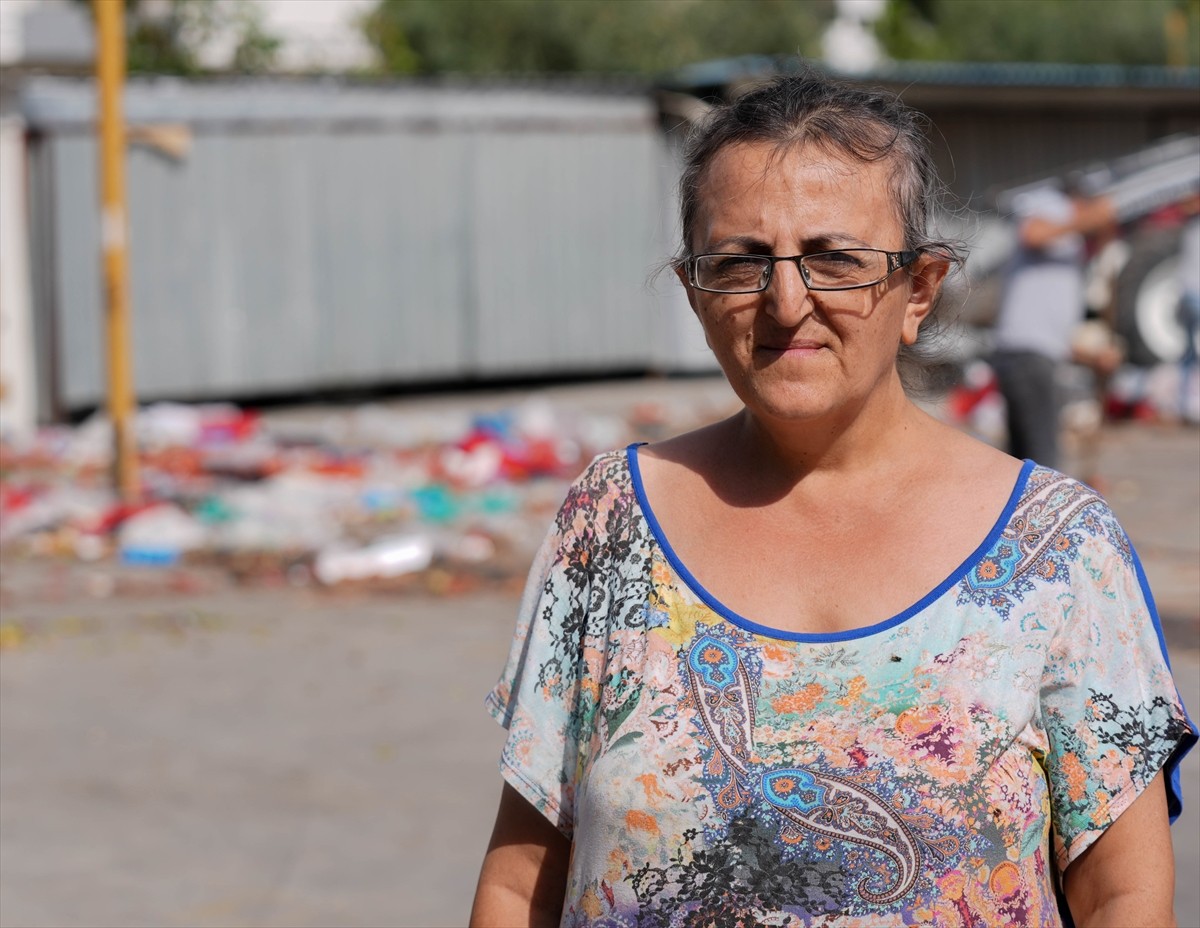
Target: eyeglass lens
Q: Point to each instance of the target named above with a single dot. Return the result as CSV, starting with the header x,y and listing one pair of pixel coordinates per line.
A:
x,y
834,270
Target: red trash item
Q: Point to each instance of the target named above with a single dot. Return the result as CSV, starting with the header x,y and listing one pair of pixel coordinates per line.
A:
x,y
14,499
536,458
112,517
339,467
227,426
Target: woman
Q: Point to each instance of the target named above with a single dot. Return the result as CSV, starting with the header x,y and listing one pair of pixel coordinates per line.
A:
x,y
829,661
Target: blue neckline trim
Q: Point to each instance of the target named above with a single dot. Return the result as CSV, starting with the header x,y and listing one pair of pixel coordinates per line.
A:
x,y
740,621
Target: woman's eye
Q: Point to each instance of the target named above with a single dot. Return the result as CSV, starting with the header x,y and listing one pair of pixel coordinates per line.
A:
x,y
739,267
839,258
838,266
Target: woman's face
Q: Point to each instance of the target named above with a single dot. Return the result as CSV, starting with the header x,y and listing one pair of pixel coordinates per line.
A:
x,y
788,352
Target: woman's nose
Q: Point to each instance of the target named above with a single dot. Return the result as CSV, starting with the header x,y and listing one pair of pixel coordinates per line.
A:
x,y
788,298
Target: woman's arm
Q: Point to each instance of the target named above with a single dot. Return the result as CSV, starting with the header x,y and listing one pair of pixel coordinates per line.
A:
x,y
1127,877
524,875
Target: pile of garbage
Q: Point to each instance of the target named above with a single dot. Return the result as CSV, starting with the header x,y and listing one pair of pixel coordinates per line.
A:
x,y
442,502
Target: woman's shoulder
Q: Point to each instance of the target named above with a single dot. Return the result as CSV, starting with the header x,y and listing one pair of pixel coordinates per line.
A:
x,y
1064,518
1066,498
1049,521
1057,535
605,473
603,487
686,452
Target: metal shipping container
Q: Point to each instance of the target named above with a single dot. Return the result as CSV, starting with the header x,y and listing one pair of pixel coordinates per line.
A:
x,y
316,235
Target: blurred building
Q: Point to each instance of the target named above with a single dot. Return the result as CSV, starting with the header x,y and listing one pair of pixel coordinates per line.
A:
x,y
314,35
997,125
56,37
298,235
45,34
289,237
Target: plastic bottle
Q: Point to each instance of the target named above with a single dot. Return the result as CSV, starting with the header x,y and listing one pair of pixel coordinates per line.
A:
x,y
391,556
159,536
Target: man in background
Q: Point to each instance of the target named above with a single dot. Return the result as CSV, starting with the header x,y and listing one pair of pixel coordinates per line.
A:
x,y
1041,305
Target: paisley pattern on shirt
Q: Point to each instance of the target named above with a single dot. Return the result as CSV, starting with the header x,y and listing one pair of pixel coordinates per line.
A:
x,y
1040,543
939,768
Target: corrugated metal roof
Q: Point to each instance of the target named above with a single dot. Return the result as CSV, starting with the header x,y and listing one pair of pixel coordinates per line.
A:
x,y
1037,74
51,103
965,74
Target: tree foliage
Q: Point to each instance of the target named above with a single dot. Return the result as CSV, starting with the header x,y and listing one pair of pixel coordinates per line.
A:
x,y
168,36
1126,32
629,36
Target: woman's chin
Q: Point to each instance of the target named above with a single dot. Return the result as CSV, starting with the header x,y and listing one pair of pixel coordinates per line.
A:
x,y
790,402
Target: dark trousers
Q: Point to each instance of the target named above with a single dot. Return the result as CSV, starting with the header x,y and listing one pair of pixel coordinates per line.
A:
x,y
1027,381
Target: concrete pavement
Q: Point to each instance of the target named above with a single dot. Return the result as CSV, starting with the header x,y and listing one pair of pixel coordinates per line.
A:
x,y
269,758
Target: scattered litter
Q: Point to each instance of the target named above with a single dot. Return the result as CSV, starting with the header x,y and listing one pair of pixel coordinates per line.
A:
x,y
159,536
12,636
438,501
384,558
1142,394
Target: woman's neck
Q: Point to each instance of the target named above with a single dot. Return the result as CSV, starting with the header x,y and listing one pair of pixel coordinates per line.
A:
x,y
885,428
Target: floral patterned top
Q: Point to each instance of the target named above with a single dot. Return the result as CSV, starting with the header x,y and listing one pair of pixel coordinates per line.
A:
x,y
941,767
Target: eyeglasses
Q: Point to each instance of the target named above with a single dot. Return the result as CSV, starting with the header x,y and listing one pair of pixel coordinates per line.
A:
x,y
847,269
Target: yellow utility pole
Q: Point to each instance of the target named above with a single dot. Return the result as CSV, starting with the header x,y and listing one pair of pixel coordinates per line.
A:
x,y
110,71
1175,26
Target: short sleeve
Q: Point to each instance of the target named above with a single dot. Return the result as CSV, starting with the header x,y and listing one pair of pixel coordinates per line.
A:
x,y
1111,711
547,694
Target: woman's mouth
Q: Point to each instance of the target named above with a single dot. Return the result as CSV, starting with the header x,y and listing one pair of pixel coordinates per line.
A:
x,y
801,348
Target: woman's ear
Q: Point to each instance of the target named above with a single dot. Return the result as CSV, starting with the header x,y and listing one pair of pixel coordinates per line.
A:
x,y
926,277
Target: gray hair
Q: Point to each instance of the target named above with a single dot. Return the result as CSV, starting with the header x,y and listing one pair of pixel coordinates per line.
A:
x,y
864,124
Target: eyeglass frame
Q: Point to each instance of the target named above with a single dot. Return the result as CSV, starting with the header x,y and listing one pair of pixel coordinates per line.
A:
x,y
895,260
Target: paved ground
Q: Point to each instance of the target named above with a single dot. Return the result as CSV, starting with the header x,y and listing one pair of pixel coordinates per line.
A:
x,y
248,759
290,758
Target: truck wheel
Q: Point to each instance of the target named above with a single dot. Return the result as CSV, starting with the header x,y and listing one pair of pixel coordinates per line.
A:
x,y
1148,300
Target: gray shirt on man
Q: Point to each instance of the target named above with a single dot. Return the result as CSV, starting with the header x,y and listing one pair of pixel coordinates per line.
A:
x,y
1043,296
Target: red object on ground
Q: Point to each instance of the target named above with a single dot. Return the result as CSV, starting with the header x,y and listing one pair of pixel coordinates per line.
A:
x,y
339,467
538,458
232,426
964,399
112,517
1140,410
176,460
14,499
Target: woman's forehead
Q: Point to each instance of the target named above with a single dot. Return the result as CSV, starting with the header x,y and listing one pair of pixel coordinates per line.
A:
x,y
774,168
759,178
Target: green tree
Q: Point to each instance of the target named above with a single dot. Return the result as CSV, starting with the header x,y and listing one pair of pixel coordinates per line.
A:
x,y
630,36
256,49
166,38
1126,32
